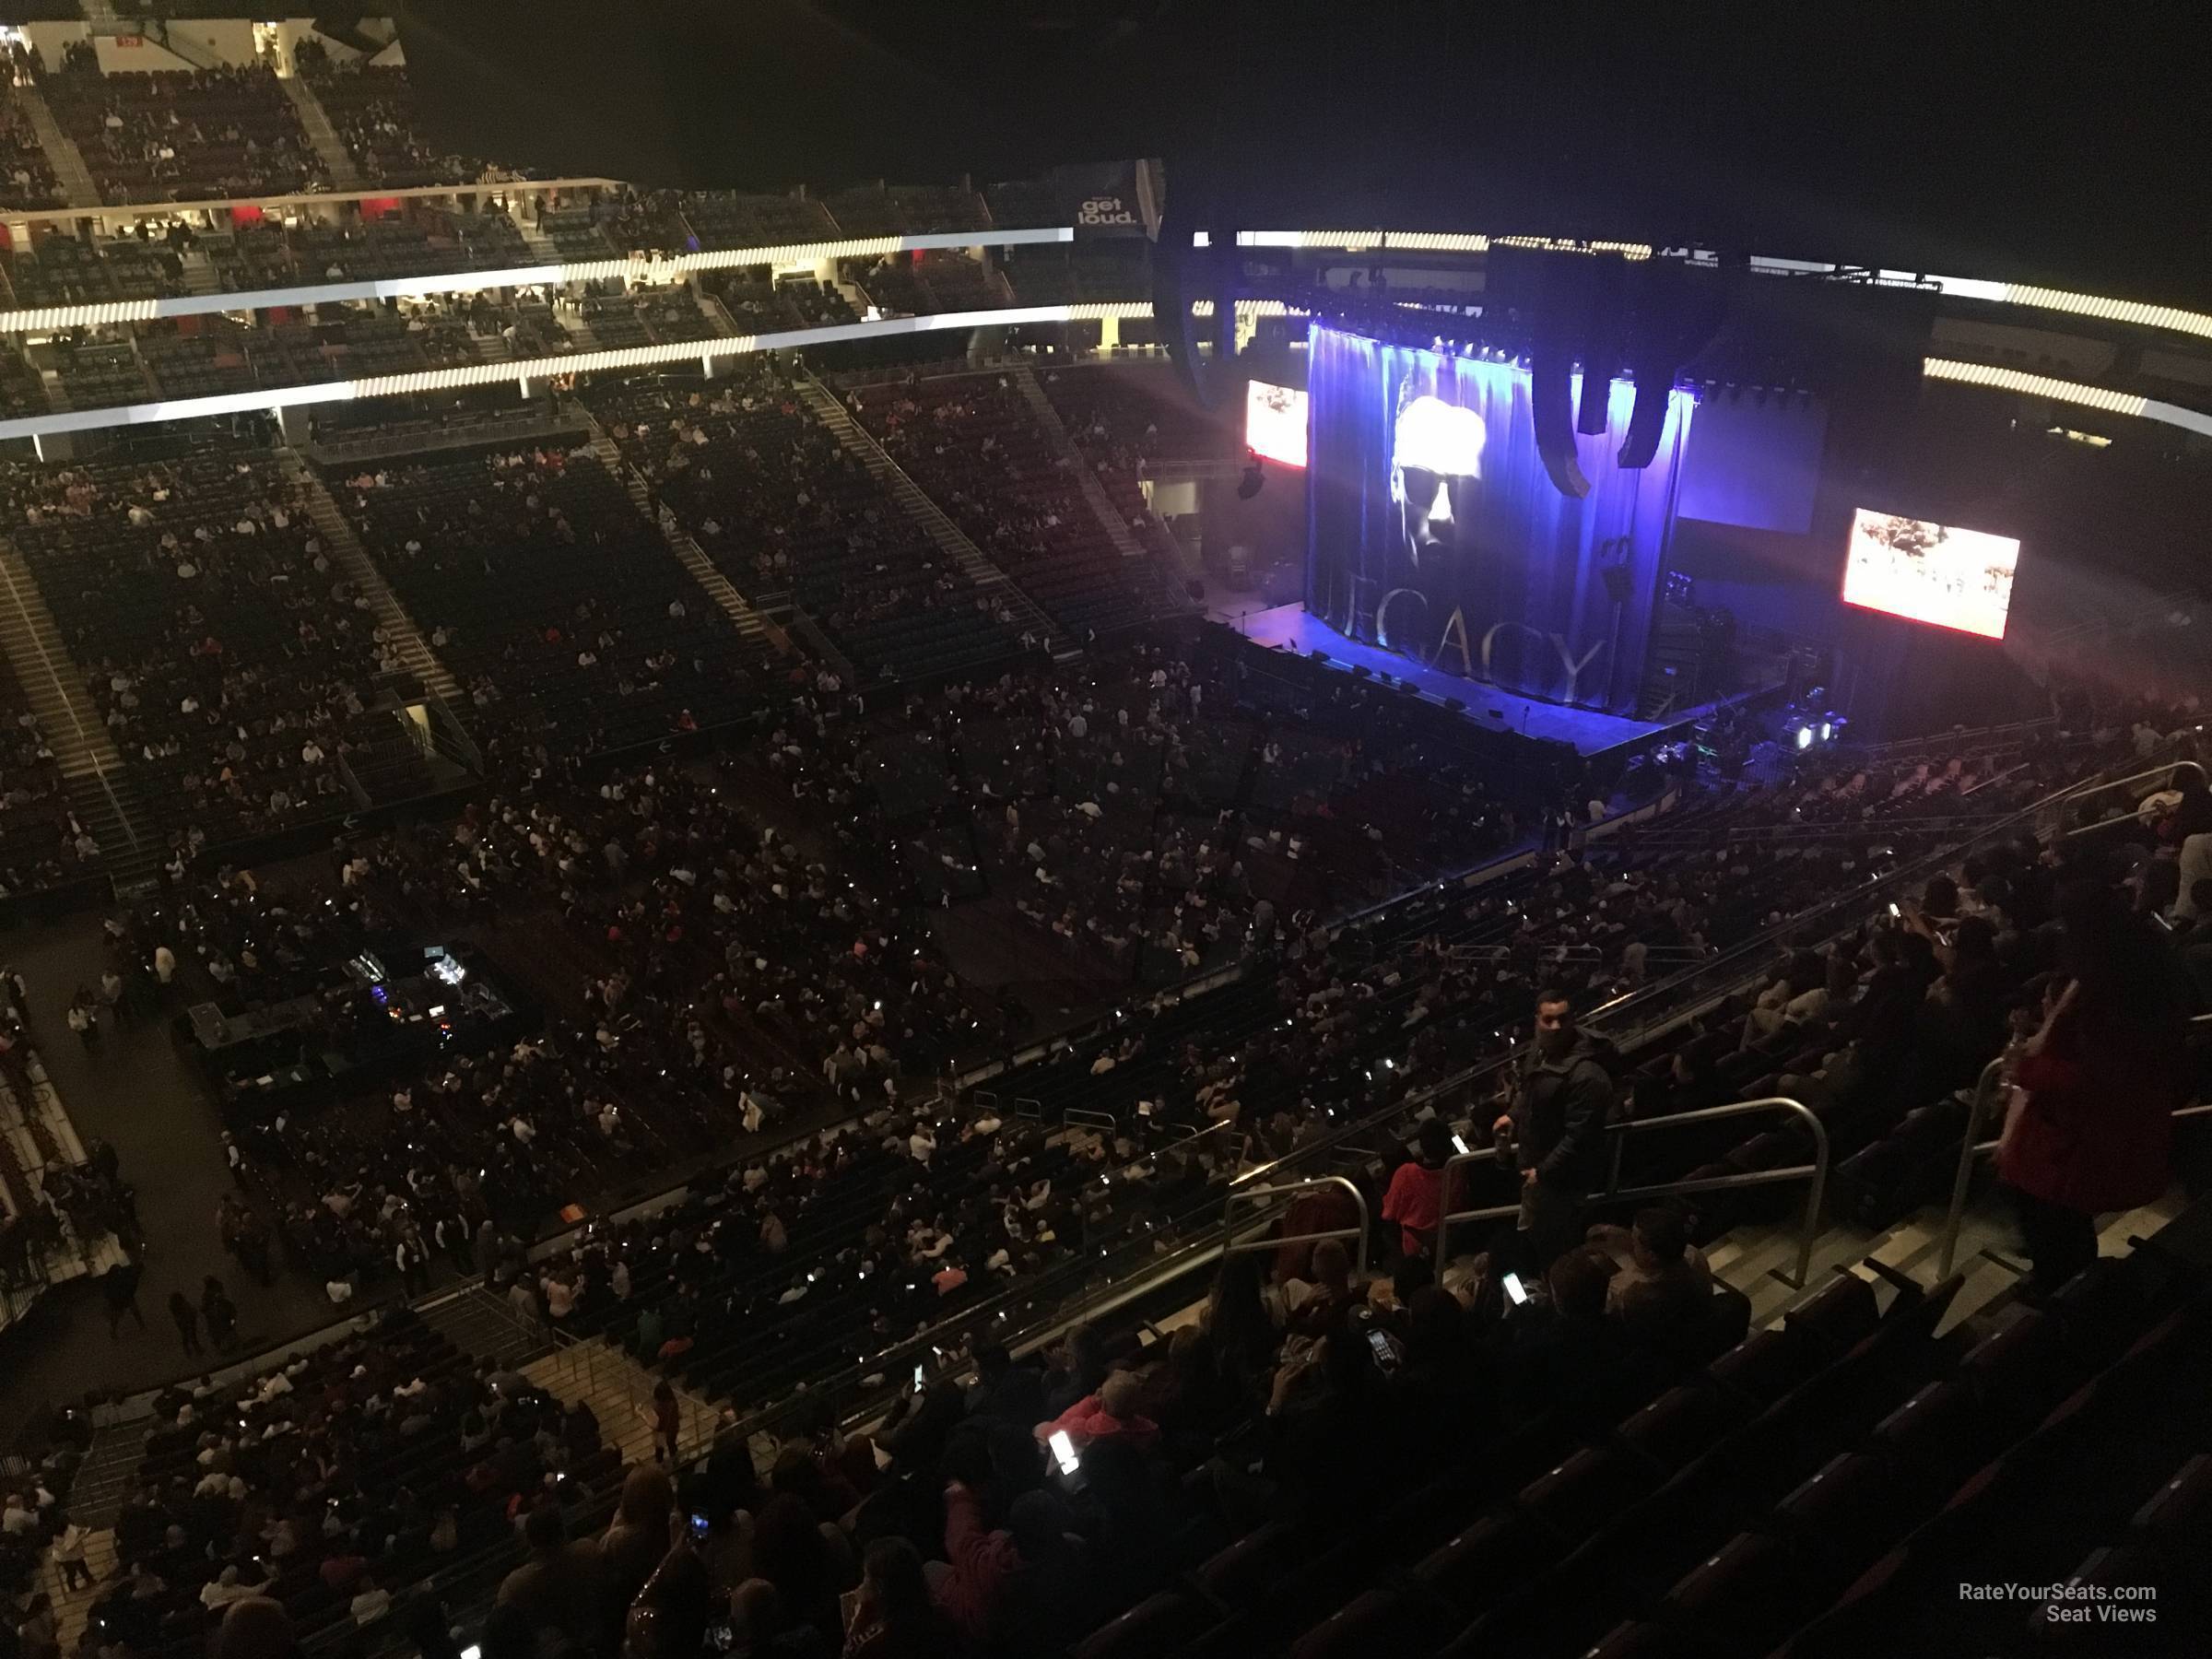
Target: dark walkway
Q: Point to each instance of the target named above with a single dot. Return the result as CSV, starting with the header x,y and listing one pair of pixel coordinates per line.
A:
x,y
137,1093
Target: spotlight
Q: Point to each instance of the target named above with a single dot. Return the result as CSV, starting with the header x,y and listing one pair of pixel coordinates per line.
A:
x,y
1826,731
1804,737
1253,482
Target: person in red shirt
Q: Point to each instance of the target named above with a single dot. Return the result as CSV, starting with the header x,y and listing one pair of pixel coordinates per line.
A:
x,y
1111,1414
2102,1079
1416,1198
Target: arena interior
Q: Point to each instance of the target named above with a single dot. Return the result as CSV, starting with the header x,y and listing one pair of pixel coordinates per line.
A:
x,y
1483,936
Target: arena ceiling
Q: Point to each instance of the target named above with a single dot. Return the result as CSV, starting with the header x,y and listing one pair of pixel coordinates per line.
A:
x,y
2043,144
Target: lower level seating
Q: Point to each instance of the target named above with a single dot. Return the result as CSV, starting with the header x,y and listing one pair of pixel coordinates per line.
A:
x,y
561,609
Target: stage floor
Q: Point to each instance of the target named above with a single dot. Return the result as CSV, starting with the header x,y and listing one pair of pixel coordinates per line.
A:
x,y
1288,627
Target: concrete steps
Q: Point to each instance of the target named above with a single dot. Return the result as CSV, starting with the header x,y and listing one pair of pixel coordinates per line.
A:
x,y
619,1392
951,540
108,1473
718,316
749,623
1751,1258
200,275
346,552
101,791
1172,584
478,1321
73,1608
62,154
337,160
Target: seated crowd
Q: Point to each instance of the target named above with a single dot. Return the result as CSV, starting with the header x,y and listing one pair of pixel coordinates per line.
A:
x,y
225,653
561,610
1286,1401
776,501
182,135
372,110
973,442
43,843
331,1483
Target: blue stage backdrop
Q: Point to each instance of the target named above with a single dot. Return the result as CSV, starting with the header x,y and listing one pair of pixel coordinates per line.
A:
x,y
1434,531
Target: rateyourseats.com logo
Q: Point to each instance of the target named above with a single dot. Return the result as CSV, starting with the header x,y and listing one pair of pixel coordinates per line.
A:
x,y
2075,1602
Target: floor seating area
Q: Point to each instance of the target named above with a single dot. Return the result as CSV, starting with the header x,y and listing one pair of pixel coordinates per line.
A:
x,y
184,135
776,503
220,648
974,443
563,612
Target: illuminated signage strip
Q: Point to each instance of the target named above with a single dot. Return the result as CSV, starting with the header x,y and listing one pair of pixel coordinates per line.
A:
x,y
582,362
2067,392
673,268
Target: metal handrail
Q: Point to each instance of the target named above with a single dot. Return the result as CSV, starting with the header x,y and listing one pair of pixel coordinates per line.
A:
x,y
1951,741
1969,1149
2079,792
1977,1108
1752,956
1760,947
1614,1190
1233,1246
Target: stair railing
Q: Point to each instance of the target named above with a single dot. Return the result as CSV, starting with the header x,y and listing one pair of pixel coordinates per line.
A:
x,y
1989,1088
1614,1193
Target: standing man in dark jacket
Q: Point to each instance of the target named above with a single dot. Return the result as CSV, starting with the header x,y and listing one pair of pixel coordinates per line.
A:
x,y
1557,1124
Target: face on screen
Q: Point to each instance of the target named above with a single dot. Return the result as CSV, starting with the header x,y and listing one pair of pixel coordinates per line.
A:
x,y
1436,459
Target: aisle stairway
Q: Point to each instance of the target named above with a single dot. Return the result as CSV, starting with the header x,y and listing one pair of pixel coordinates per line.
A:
x,y
337,160
1054,429
950,539
101,791
346,549
476,1322
749,623
619,1392
70,172
595,1371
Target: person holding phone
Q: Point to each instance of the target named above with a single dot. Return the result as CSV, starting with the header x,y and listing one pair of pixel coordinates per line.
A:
x,y
1112,1413
1557,1124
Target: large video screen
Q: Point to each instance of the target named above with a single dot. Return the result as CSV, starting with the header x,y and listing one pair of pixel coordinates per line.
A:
x,y
1275,422
1926,573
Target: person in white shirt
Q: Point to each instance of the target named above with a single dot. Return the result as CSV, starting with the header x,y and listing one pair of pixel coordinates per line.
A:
x,y
370,1603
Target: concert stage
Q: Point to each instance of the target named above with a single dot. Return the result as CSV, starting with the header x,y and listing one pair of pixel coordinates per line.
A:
x,y
1292,627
